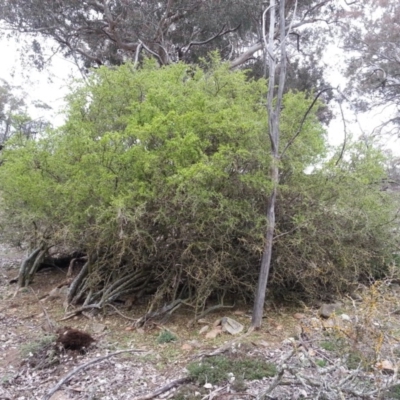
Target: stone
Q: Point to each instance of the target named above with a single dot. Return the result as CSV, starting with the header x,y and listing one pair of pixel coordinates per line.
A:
x,y
204,329
345,317
98,328
327,310
231,326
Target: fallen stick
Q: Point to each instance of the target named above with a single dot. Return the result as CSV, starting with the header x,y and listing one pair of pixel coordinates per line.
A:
x,y
162,389
67,377
120,313
79,311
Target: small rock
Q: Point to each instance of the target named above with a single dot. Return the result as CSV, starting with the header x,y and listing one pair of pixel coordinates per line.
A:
x,y
327,310
231,326
98,328
208,386
204,329
299,316
345,317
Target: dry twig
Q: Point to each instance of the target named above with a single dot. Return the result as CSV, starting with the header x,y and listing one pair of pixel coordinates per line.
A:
x,y
163,389
67,377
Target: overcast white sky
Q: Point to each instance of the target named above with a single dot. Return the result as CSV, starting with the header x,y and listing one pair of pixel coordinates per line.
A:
x,y
49,86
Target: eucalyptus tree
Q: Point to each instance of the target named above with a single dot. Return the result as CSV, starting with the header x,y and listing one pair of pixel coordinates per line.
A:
x,y
14,118
110,32
372,43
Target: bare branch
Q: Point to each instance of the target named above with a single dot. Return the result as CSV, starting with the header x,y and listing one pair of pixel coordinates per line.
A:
x,y
162,389
290,142
222,32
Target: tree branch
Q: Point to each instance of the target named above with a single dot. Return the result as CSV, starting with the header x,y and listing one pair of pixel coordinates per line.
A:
x,y
290,142
222,32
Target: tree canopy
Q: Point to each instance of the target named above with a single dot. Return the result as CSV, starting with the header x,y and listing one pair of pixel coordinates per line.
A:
x,y
94,33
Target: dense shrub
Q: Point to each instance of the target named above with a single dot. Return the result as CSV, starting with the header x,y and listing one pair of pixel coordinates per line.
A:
x,y
160,175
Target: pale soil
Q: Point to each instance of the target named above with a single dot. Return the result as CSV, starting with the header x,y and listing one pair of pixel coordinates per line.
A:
x,y
22,321
128,376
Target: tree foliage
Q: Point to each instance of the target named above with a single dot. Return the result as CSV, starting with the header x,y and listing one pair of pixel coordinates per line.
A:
x,y
373,47
160,176
101,32
14,118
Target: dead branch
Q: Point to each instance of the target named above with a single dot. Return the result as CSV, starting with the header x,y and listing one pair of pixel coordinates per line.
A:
x,y
222,32
120,313
278,378
290,142
80,310
161,390
168,309
212,394
67,377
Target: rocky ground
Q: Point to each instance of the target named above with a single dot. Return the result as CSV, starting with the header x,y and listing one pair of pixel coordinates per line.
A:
x,y
351,353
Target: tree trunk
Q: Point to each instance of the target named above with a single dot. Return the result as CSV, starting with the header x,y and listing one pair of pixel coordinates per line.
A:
x,y
274,110
266,260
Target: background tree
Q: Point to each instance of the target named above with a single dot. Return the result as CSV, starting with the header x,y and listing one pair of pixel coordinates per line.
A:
x,y
373,48
104,32
14,118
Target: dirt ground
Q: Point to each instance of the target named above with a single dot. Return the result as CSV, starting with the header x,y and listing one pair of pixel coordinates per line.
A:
x,y
23,322
148,365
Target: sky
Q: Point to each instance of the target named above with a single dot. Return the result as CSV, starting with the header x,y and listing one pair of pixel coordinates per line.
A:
x,y
49,86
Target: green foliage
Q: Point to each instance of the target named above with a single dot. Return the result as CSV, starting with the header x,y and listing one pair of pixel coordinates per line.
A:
x,y
164,173
166,337
218,369
321,363
40,353
329,345
354,360
393,392
341,225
